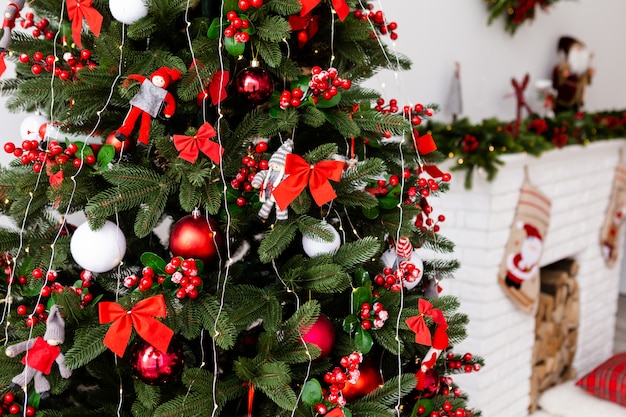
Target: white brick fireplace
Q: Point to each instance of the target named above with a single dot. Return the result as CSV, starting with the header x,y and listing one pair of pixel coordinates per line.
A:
x,y
578,180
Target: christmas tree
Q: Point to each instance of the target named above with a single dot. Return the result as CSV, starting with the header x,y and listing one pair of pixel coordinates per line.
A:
x,y
300,275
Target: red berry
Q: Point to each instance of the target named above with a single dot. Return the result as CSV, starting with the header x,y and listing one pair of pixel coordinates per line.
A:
x,y
260,147
232,15
37,56
243,4
31,321
36,69
394,180
468,356
366,324
22,309
40,308
477,367
30,411
447,406
418,108
180,293
90,159
468,369
9,147
36,33
321,409
256,3
14,409
24,58
46,291
37,273
241,201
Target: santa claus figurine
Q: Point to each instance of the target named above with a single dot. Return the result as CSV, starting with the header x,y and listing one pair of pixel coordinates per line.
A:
x,y
524,265
148,102
571,75
41,353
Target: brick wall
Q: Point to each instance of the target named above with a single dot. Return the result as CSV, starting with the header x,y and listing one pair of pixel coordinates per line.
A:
x,y
578,180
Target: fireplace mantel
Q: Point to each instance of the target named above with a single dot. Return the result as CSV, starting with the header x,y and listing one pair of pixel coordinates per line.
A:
x,y
578,180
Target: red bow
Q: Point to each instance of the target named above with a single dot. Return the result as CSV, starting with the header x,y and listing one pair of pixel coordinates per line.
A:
x,y
341,7
189,146
79,9
217,86
302,173
141,316
422,332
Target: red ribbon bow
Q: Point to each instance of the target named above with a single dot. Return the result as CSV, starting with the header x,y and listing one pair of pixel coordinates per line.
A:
x,y
190,146
302,173
422,332
79,9
141,316
340,6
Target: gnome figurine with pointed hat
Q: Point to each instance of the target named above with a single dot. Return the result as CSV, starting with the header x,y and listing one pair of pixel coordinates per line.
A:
x,y
268,179
148,102
40,354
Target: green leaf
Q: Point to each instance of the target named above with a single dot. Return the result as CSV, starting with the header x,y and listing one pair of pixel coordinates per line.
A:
x,y
363,341
424,402
154,261
234,47
351,323
362,277
322,103
362,295
312,392
105,156
215,30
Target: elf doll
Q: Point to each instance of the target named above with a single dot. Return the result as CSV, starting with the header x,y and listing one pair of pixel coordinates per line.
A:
x,y
11,13
40,354
148,102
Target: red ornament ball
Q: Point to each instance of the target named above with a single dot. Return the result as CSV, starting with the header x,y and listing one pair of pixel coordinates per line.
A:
x,y
368,380
195,237
155,367
119,145
254,84
321,334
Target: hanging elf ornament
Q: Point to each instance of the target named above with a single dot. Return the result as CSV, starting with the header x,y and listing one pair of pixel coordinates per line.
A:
x,y
148,101
254,84
11,13
268,179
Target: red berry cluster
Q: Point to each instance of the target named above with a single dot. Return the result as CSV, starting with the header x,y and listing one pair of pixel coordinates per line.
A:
x,y
253,162
559,136
323,82
539,126
9,406
373,315
38,315
469,143
337,379
50,63
246,4
378,19
447,410
395,280
31,153
447,387
183,272
41,26
465,362
237,27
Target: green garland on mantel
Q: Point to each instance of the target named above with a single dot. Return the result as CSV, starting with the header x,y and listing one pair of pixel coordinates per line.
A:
x,y
516,12
480,146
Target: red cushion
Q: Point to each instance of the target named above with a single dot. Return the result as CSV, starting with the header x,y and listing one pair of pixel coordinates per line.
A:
x,y
607,381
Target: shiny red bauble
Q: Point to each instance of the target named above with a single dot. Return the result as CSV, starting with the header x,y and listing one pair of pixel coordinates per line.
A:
x,y
195,237
368,381
154,367
254,84
119,145
321,334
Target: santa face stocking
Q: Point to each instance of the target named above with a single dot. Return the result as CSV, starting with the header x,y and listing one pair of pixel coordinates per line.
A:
x,y
612,226
519,271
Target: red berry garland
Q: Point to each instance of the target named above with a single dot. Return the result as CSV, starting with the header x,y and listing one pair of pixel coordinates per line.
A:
x,y
179,271
377,18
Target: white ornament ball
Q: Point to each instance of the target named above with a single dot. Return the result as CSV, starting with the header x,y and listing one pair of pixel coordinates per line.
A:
x,y
29,128
314,245
391,260
98,250
128,11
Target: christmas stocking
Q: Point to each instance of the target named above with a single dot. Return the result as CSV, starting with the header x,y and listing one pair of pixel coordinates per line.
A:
x,y
612,226
519,271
